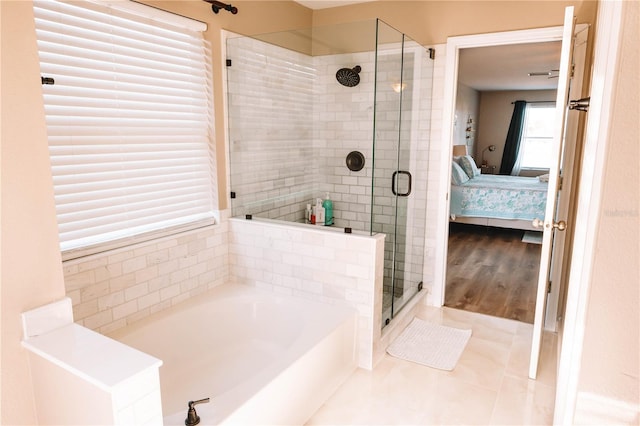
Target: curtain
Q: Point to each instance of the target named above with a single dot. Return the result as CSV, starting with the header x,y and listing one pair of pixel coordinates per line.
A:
x,y
514,136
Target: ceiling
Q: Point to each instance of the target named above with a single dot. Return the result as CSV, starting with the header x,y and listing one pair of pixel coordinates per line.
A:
x,y
324,4
507,67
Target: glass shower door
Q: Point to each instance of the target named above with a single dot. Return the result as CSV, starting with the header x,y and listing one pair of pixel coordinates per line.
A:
x,y
400,147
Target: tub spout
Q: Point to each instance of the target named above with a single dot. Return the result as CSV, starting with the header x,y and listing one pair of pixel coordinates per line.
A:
x,y
192,417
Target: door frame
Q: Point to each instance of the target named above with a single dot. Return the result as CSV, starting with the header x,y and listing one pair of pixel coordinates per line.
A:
x,y
605,67
453,47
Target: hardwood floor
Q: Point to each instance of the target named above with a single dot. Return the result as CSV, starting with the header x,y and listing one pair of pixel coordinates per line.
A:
x,y
491,271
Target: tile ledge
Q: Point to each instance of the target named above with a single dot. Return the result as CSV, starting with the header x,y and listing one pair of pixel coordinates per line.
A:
x,y
95,358
47,318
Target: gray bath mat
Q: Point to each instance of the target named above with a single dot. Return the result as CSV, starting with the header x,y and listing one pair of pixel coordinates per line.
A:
x,y
532,237
430,344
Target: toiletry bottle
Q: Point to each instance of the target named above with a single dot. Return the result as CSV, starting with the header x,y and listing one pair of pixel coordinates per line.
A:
x,y
307,214
319,212
328,210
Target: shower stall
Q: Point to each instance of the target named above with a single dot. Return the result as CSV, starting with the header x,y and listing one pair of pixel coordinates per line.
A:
x,y
342,110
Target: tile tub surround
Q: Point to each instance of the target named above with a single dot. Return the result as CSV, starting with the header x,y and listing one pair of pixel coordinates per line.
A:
x,y
113,289
325,265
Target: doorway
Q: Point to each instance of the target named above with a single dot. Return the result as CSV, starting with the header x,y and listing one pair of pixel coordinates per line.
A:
x,y
558,198
492,264
540,35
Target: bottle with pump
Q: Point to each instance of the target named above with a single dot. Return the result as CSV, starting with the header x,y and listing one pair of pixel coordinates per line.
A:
x,y
328,210
320,213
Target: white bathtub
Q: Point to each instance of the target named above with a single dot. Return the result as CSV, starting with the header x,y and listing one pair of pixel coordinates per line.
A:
x,y
261,358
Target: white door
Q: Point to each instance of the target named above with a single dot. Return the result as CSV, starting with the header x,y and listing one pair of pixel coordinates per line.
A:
x,y
549,224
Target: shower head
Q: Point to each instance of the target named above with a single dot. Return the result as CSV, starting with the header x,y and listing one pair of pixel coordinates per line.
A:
x,y
349,76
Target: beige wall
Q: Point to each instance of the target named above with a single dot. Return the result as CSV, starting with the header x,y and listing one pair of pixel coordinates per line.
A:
x,y
467,106
431,22
495,116
610,361
31,263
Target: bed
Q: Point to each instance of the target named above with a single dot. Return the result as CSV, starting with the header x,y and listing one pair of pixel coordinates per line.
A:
x,y
497,200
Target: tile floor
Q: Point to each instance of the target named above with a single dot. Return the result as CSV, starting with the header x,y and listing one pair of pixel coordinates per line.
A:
x,y
488,386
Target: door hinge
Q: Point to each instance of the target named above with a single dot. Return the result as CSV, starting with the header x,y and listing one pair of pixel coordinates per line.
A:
x,y
580,104
560,180
228,62
549,287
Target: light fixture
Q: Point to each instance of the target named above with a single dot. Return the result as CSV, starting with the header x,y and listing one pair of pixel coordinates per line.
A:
x,y
548,74
398,87
489,148
459,150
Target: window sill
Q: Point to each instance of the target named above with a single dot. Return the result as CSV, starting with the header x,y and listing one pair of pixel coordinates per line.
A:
x,y
111,247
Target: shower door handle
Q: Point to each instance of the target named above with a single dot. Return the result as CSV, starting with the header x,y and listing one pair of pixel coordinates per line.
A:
x,y
393,183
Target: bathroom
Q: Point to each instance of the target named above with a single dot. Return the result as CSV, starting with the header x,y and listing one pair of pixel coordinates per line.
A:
x,y
342,265
35,207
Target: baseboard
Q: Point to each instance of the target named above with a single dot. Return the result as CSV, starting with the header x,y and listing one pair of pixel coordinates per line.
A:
x,y
592,409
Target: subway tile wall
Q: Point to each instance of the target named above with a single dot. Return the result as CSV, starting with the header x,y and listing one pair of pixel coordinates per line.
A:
x,y
330,121
271,146
114,289
344,123
322,265
436,172
291,126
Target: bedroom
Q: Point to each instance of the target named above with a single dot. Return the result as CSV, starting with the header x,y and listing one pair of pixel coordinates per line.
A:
x,y
494,251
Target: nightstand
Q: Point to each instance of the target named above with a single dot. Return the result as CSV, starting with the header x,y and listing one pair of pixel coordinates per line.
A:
x,y
488,170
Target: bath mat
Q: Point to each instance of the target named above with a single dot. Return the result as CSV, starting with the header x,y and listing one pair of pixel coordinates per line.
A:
x,y
532,237
430,344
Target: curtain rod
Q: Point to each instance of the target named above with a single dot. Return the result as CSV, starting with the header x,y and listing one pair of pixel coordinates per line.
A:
x,y
536,102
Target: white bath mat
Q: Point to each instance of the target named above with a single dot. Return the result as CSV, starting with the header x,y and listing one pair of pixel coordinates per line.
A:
x,y
430,344
532,237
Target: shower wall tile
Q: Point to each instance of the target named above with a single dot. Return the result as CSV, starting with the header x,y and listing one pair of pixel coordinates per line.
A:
x,y
435,172
319,264
270,130
113,289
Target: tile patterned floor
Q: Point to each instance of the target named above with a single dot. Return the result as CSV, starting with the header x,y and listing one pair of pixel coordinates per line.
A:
x,y
488,386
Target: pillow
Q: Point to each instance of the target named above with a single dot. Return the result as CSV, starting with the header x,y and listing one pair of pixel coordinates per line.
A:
x,y
458,176
469,166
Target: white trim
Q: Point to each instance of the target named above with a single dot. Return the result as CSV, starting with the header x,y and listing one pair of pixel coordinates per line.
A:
x,y
454,44
603,83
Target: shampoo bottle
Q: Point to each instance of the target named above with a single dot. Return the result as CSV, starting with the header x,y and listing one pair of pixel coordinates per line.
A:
x,y
319,212
328,210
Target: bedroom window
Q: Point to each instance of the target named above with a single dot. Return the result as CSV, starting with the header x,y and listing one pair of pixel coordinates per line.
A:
x,y
129,122
537,136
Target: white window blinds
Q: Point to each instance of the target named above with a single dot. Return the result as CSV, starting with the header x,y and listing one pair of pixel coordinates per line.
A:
x,y
129,122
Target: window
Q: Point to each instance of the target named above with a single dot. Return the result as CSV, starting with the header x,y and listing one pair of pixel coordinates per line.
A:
x,y
537,136
129,122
